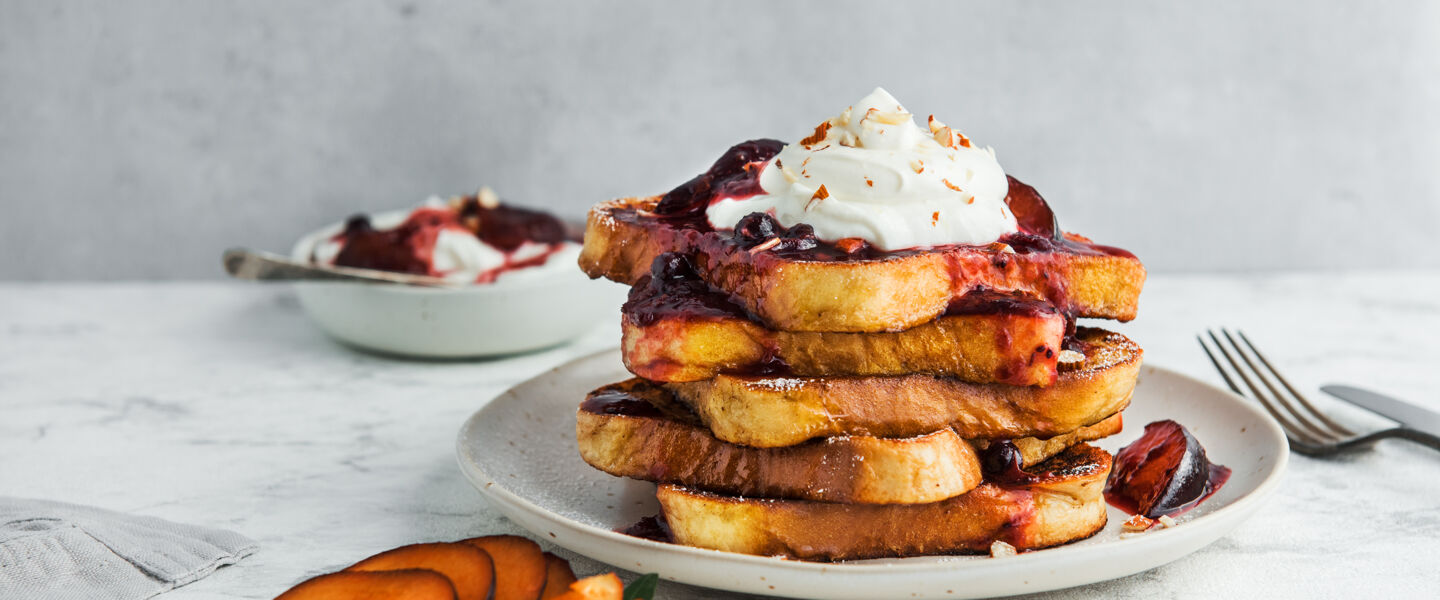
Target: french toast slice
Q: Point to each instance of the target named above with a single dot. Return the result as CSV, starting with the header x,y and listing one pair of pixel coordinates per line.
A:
x,y
1057,501
827,289
771,411
633,429
636,429
676,328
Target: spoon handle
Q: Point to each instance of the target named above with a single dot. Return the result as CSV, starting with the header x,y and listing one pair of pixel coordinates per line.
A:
x,y
243,263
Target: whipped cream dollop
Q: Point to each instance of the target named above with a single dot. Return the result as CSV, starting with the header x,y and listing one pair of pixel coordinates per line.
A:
x,y
872,173
456,254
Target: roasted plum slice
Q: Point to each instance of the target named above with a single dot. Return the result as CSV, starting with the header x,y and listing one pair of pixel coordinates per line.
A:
x,y
1032,212
1165,472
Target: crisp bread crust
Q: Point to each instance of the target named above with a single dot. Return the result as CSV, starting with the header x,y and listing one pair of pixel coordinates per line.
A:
x,y
775,410
670,445
1063,504
892,292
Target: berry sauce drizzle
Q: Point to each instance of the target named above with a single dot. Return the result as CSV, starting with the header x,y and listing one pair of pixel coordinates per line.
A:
x,y
410,246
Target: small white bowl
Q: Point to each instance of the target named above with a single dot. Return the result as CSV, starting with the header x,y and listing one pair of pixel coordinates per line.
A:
x,y
524,310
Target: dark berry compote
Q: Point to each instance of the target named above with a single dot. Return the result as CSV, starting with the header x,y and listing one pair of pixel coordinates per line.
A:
x,y
736,174
467,239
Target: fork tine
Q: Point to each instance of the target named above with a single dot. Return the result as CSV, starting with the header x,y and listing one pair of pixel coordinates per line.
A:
x,y
1300,415
1223,374
1341,429
1291,430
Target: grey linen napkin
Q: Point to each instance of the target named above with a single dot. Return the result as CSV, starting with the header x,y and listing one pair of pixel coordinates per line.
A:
x,y
52,550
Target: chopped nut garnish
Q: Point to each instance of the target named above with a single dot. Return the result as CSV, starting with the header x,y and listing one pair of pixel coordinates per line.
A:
x,y
970,200
850,245
946,136
952,186
888,118
1001,247
918,165
870,182
818,196
784,170
821,131
1166,521
1137,523
765,245
1070,356
999,548
487,197
935,218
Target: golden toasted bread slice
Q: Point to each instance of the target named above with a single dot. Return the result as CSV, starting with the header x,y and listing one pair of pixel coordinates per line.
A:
x,y
774,410
678,329
1058,501
635,429
826,289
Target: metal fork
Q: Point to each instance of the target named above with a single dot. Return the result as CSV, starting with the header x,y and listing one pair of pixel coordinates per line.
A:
x,y
1310,431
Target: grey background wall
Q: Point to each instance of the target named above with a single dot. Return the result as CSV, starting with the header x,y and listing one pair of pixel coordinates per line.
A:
x,y
139,139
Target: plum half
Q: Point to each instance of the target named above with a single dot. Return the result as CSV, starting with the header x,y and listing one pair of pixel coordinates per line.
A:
x,y
1032,212
1165,472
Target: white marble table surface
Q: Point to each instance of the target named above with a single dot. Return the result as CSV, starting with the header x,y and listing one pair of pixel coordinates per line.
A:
x,y
218,403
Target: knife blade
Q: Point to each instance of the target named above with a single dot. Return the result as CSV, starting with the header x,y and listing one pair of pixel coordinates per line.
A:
x,y
1409,415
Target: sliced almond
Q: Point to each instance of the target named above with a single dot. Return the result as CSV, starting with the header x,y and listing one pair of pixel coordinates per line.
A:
x,y
935,124
821,131
850,245
819,195
765,245
487,197
785,171
1137,523
999,548
888,118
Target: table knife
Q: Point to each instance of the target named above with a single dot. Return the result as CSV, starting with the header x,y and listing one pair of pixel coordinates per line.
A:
x,y
1408,415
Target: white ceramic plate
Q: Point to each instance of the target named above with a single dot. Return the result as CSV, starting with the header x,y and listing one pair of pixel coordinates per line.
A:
x,y
520,452
525,310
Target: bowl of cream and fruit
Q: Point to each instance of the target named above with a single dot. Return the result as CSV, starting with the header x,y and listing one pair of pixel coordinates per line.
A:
x,y
510,275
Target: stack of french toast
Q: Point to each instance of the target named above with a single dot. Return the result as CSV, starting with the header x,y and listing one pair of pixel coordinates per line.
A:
x,y
832,399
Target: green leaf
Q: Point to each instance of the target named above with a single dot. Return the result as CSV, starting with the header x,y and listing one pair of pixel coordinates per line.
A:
x,y
642,588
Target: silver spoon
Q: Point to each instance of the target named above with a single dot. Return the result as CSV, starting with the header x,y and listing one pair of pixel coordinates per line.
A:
x,y
244,263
